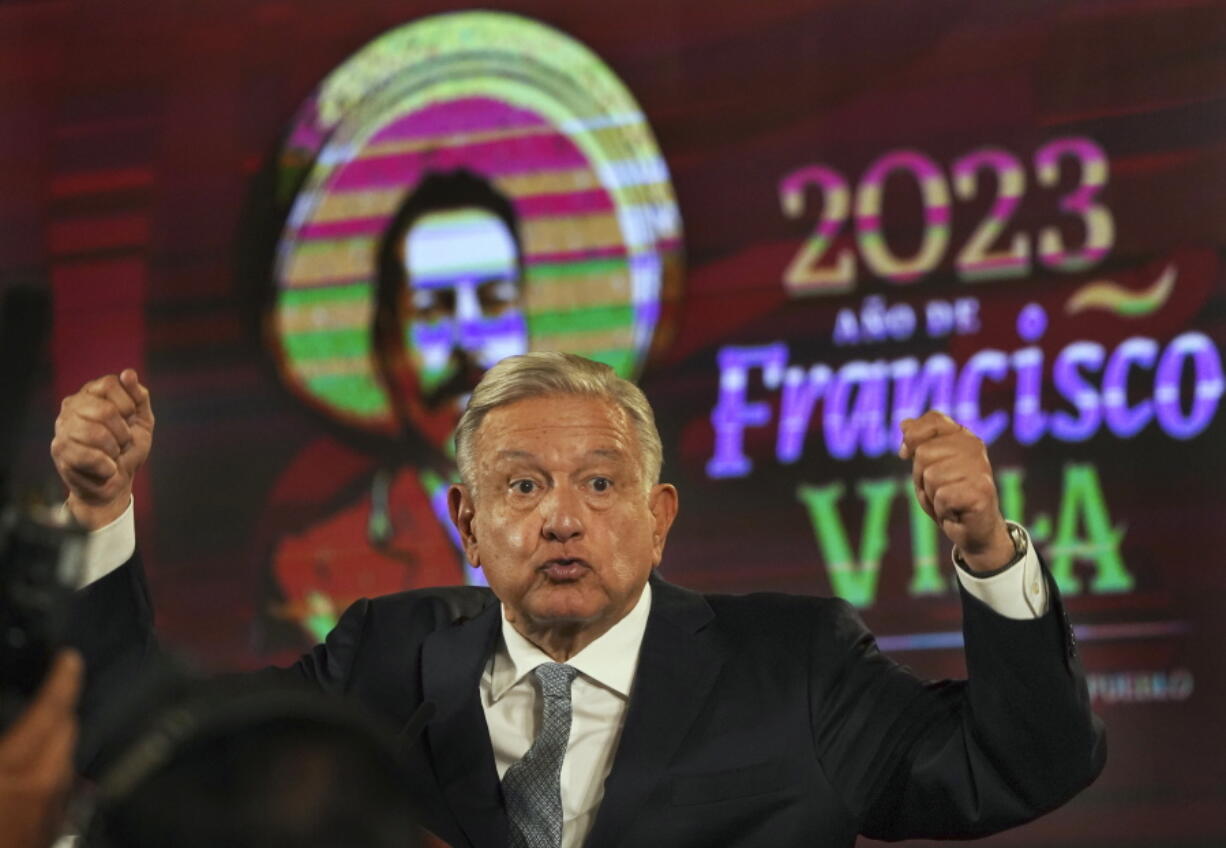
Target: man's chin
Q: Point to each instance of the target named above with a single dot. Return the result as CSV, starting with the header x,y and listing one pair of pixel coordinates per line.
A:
x,y
564,618
565,605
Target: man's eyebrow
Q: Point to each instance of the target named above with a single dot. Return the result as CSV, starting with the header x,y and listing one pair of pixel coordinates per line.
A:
x,y
596,453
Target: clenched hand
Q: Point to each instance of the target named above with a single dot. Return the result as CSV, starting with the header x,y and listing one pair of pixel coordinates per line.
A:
x,y
954,484
102,436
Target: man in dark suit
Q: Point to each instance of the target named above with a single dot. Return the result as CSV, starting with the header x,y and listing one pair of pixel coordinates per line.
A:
x,y
585,701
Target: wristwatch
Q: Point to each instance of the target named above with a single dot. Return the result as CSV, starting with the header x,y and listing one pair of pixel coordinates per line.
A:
x,y
1020,546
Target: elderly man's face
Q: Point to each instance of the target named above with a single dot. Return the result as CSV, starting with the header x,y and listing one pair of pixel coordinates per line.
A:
x,y
560,517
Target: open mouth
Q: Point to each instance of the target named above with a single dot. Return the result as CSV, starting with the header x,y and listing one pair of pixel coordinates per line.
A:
x,y
564,569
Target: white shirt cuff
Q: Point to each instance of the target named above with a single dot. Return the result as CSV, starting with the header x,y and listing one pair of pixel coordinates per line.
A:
x,y
108,547
1018,592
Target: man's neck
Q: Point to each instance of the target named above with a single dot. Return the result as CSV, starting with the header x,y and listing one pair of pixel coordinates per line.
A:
x,y
561,643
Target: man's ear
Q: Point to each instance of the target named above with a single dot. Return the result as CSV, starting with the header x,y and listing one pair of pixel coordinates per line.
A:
x,y
663,503
460,507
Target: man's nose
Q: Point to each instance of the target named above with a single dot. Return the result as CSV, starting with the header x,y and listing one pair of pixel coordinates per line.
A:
x,y
468,313
467,328
561,511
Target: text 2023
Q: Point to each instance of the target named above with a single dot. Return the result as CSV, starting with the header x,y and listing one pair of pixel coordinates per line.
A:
x,y
990,252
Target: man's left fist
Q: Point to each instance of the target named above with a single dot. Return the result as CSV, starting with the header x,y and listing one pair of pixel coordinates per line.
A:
x,y
954,483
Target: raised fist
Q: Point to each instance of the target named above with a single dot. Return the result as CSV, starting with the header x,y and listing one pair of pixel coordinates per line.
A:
x,y
954,484
102,436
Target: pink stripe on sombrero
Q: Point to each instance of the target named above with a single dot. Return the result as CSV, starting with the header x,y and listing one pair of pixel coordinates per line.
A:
x,y
342,229
474,114
563,203
523,154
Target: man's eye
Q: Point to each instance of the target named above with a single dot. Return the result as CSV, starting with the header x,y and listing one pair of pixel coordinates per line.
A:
x,y
523,487
497,296
433,304
602,484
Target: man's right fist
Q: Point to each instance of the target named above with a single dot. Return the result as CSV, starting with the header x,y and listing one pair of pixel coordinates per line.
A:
x,y
102,436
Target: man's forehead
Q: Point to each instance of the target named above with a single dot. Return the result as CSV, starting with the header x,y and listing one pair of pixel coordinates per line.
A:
x,y
558,412
578,423
444,246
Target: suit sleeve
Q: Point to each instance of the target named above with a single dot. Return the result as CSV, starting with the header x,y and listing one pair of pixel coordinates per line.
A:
x,y
112,625
329,665
955,759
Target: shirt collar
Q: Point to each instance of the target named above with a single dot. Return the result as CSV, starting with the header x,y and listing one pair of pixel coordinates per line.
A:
x,y
610,660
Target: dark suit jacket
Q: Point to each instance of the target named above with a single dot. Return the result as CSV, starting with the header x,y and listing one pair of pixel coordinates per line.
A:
x,y
757,720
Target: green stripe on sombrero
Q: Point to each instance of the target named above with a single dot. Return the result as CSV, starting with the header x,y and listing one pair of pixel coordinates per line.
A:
x,y
360,290
327,343
355,393
577,267
592,319
621,360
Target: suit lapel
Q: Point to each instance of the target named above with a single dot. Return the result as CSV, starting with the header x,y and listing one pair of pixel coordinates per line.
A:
x,y
453,660
678,664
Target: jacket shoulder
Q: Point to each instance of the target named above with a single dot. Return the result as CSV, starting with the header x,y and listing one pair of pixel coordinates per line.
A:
x,y
831,621
440,605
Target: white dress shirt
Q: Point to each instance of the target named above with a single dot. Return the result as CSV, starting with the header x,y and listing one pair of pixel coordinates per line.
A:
x,y
601,691
600,694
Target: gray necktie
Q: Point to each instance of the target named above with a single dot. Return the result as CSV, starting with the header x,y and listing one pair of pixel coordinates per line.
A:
x,y
531,786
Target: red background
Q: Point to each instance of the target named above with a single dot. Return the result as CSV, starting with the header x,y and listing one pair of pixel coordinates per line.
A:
x,y
132,134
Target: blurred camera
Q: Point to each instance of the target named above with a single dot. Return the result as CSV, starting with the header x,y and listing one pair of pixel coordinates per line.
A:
x,y
40,546
41,551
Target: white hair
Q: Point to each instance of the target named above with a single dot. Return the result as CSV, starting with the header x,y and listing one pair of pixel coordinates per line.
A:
x,y
541,374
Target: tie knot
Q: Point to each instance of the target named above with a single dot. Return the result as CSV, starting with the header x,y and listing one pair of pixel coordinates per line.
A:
x,y
555,679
